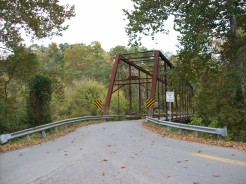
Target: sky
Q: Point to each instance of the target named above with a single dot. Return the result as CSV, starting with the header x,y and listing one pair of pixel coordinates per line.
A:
x,y
103,21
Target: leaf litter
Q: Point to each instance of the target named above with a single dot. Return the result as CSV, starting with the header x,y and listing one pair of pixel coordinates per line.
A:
x,y
192,138
22,143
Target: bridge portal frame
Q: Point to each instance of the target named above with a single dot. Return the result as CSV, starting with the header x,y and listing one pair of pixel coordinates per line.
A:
x,y
149,69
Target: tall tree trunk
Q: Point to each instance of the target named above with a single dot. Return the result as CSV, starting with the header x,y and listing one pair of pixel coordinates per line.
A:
x,y
238,55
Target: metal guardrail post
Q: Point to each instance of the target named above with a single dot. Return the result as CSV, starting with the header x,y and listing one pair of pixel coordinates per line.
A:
x,y
43,134
56,130
28,138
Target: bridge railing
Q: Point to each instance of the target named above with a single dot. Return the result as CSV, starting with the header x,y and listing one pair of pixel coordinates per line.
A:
x,y
218,131
27,132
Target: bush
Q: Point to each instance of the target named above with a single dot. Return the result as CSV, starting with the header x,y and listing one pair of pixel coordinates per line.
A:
x,y
40,91
79,99
196,120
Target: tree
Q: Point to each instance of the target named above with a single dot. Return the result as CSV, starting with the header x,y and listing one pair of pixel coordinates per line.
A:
x,y
51,63
19,66
15,72
200,23
87,61
78,60
96,49
39,100
212,44
119,104
119,49
37,19
79,99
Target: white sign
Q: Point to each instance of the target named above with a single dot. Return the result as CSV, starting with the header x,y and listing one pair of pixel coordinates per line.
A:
x,y
169,96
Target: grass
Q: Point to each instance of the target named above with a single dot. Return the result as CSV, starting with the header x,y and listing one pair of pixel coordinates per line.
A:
x,y
37,139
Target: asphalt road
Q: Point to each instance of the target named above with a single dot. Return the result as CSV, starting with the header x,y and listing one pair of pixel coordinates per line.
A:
x,y
122,152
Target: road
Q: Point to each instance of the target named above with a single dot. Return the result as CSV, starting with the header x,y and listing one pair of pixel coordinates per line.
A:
x,y
122,152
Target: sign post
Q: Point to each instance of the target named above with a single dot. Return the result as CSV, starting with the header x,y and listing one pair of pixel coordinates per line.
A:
x,y
170,99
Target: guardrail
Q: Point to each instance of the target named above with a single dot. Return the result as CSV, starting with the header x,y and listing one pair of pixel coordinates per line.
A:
x,y
218,131
27,132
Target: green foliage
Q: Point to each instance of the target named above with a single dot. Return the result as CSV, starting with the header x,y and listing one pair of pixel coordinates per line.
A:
x,y
85,96
120,108
214,123
195,120
211,56
64,65
117,50
83,62
40,86
2,115
34,18
40,92
15,72
17,67
12,119
51,61
78,60
147,18
79,99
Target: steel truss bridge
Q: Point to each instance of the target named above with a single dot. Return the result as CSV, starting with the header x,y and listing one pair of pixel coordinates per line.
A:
x,y
147,75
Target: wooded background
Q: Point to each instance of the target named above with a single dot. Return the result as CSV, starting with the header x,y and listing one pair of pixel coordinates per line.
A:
x,y
211,57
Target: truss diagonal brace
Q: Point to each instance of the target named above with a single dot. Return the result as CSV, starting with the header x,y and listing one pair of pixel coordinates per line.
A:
x,y
111,85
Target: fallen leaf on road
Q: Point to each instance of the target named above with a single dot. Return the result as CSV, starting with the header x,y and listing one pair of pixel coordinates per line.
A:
x,y
195,182
216,175
122,167
102,173
168,177
105,160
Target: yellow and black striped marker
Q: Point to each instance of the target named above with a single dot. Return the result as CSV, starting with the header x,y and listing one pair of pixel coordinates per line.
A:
x,y
150,103
98,103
